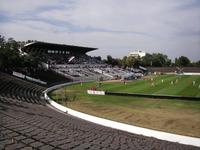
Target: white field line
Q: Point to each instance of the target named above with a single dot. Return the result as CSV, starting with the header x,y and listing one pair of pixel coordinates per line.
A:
x,y
125,127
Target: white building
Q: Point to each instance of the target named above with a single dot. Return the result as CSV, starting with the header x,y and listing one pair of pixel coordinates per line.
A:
x,y
137,53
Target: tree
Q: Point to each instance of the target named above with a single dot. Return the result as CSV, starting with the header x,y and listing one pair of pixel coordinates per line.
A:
x,y
196,64
123,61
9,54
118,62
98,58
10,58
109,59
113,61
130,61
133,62
182,61
147,60
156,60
160,60
2,41
13,45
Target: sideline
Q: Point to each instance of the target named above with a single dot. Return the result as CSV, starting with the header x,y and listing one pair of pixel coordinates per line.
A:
x,y
122,126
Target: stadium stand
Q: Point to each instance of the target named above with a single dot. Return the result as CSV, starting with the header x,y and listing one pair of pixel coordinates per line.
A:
x,y
28,122
73,63
49,76
13,88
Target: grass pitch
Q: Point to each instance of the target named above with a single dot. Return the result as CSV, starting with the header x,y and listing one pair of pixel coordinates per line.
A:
x,y
162,85
175,116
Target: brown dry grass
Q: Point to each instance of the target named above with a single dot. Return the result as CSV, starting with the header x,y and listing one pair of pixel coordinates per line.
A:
x,y
174,121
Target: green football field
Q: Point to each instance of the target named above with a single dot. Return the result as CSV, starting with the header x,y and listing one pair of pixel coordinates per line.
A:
x,y
163,85
175,116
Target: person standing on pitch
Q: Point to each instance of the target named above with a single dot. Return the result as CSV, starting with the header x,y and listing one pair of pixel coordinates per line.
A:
x,y
193,83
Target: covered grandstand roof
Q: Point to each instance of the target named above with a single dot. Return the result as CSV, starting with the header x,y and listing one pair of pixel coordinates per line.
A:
x,y
45,47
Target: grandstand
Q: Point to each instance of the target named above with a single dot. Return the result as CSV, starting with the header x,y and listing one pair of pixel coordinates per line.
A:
x,y
51,53
28,122
73,63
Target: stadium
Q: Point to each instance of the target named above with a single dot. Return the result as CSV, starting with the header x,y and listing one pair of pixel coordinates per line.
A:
x,y
75,101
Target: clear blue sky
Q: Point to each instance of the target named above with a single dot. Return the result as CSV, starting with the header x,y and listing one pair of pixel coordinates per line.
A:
x,y
116,27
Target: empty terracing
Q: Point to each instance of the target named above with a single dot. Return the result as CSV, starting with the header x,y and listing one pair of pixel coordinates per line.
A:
x,y
27,122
